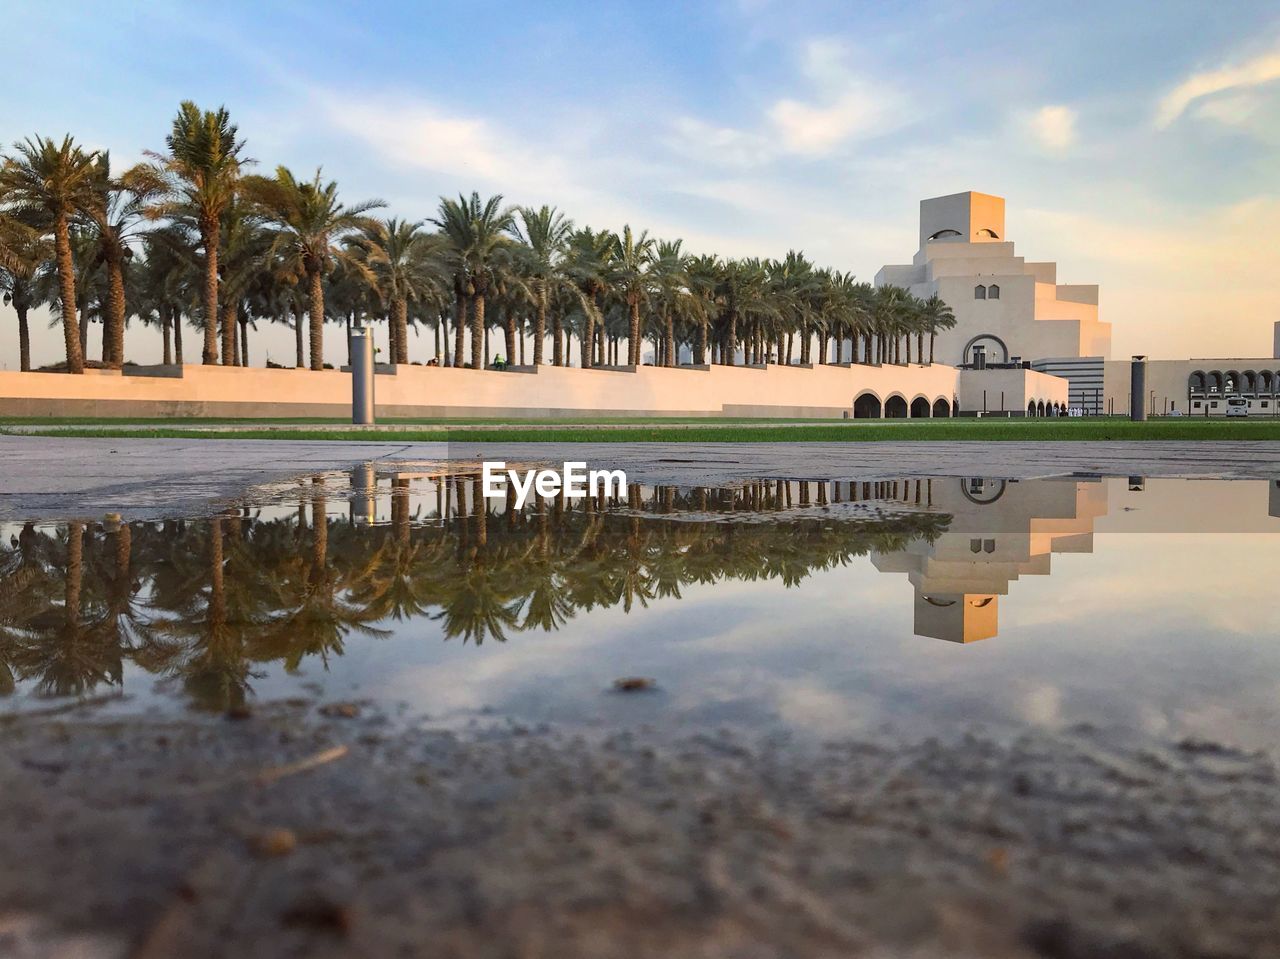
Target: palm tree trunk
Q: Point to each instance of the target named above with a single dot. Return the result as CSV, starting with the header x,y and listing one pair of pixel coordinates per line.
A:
x,y
165,336
557,347
113,328
478,332
24,339
933,338
633,332
509,331
920,347
176,317
540,328
228,325
669,340
300,360
316,312
459,325
67,288
729,351
401,355
439,324
244,341
588,342
701,357
209,237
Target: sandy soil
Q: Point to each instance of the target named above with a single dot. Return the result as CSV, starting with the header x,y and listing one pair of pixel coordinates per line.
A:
x,y
299,831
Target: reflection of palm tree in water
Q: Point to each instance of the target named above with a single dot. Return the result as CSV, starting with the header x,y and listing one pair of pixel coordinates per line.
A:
x,y
68,652
206,601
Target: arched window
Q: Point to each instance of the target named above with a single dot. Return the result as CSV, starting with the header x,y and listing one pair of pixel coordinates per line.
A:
x,y
989,234
1195,382
993,292
944,234
979,292
1215,382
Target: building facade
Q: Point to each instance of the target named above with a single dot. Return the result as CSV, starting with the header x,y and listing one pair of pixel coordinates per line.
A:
x,y
1007,309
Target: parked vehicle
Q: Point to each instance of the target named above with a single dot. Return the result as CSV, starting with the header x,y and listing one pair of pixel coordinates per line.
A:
x,y
1237,406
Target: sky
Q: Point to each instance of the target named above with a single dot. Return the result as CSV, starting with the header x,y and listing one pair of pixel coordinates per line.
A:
x,y
1138,145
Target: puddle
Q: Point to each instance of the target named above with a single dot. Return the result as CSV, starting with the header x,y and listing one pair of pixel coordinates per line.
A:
x,y
803,607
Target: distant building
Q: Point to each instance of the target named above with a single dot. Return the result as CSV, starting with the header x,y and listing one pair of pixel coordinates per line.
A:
x,y
1005,307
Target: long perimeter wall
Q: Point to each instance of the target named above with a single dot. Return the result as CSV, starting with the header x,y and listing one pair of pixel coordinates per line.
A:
x,y
547,391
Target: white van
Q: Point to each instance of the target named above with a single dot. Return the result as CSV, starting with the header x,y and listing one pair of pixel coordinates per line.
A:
x,y
1237,406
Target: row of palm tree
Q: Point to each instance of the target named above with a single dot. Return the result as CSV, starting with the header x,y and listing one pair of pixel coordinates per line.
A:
x,y
209,604
190,237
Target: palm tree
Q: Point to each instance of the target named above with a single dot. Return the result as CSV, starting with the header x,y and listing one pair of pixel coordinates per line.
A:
x,y
629,275
119,209
404,262
937,316
311,223
544,233
203,167
590,264
475,232
49,183
27,254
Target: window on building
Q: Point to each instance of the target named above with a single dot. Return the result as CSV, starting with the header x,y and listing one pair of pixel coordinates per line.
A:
x,y
1197,404
979,292
1264,404
989,234
975,546
993,292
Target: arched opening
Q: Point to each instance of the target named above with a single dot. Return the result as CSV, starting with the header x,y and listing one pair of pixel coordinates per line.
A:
x,y
944,234
941,408
1214,380
1264,383
1040,408
993,292
1232,382
979,292
991,343
866,407
895,408
1195,382
1249,382
1031,408
988,234
919,408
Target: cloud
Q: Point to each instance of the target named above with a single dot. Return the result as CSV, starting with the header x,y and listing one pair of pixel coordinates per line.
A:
x,y
846,104
1054,127
842,104
416,134
1264,68
814,130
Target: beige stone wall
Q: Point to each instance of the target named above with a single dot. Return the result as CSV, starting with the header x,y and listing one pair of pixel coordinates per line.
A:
x,y
1169,379
1009,390
822,391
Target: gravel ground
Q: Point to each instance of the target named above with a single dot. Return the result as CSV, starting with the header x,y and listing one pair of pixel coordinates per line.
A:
x,y
306,832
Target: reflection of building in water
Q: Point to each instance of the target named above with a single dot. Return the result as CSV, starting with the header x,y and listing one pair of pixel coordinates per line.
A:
x,y
1000,530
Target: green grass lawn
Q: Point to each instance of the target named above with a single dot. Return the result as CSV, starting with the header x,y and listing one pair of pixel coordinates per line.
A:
x,y
749,431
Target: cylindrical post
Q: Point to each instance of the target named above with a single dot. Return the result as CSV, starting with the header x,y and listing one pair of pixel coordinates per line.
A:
x,y
1138,389
361,377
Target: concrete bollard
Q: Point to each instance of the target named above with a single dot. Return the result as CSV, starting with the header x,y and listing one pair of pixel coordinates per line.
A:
x,y
1138,389
362,398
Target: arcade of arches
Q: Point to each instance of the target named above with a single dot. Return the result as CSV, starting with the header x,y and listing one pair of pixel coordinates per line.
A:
x,y
868,406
